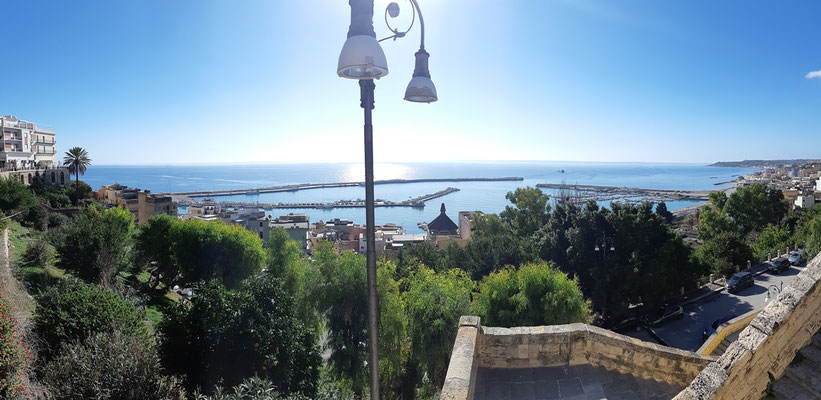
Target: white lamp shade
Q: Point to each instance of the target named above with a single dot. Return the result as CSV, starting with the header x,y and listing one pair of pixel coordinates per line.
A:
x,y
421,90
362,58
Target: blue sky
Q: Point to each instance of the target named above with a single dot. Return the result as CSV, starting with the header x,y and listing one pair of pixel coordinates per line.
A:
x,y
207,81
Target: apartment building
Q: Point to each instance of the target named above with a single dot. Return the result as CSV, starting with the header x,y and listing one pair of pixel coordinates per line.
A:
x,y
25,146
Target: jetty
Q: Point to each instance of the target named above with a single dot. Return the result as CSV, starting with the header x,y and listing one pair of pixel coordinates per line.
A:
x,y
309,186
417,202
582,193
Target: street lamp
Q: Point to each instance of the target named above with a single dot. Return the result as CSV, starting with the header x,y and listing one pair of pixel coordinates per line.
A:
x,y
603,244
773,291
362,58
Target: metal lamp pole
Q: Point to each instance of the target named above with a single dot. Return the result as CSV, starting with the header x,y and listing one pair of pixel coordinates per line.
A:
x,y
362,58
603,244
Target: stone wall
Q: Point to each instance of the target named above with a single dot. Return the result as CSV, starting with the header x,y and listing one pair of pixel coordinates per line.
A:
x,y
4,252
767,345
726,329
573,344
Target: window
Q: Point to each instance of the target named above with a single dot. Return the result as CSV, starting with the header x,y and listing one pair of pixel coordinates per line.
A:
x,y
52,177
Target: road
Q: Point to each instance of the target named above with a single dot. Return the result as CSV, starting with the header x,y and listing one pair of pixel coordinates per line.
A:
x,y
685,333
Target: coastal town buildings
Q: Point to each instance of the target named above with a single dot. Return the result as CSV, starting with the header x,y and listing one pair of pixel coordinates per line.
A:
x,y
28,150
297,226
25,146
143,204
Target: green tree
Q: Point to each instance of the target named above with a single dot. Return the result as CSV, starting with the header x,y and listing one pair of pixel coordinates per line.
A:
x,y
813,246
77,161
771,239
718,199
223,337
535,294
343,300
73,311
756,206
662,211
529,212
492,245
208,250
435,301
712,222
96,244
725,253
20,203
394,344
285,259
153,247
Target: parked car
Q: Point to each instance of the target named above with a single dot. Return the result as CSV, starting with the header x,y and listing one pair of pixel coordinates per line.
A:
x,y
708,331
627,324
665,314
740,281
778,265
796,257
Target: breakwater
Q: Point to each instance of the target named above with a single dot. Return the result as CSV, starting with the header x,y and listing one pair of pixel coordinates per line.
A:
x,y
418,202
309,186
582,193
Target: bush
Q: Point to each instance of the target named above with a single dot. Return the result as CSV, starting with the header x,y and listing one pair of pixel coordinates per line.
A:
x,y
223,337
38,254
15,357
535,294
109,365
73,311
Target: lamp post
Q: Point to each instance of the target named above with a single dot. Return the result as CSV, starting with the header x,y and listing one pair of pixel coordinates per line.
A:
x,y
362,59
603,244
773,291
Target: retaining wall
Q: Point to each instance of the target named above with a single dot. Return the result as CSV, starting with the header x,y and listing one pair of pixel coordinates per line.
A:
x,y
767,345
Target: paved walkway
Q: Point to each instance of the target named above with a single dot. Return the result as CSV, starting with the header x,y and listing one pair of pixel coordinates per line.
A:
x,y
580,382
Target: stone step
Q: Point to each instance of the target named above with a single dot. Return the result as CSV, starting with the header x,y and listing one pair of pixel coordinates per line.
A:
x,y
807,376
787,389
812,355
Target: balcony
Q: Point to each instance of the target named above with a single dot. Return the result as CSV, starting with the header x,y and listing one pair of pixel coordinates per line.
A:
x,y
44,140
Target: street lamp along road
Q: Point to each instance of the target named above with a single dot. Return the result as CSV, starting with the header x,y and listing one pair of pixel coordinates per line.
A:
x,y
603,244
773,291
362,58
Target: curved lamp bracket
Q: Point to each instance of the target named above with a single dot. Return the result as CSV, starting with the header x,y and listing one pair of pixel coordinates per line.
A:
x,y
393,11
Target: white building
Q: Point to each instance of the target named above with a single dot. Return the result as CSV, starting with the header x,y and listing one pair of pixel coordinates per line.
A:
x,y
818,185
804,201
25,146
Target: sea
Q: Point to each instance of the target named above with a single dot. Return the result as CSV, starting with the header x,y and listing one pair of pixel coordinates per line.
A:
x,y
488,197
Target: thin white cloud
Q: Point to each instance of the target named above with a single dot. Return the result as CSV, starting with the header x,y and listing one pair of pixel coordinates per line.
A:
x,y
813,74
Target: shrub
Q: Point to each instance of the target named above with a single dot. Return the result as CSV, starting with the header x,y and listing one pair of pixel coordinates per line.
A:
x,y
109,365
15,357
535,294
73,311
38,254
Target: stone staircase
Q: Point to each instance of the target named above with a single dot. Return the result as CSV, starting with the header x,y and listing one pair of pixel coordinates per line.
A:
x,y
802,380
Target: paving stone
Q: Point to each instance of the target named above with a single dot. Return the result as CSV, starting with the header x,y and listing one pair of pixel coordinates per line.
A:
x,y
570,387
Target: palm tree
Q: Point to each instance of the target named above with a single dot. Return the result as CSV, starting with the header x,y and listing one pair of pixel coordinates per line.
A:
x,y
76,159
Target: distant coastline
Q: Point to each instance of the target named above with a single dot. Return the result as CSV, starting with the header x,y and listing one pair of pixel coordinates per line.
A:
x,y
758,164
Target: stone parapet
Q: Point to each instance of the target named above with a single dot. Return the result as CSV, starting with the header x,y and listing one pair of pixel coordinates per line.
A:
x,y
767,346
477,346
